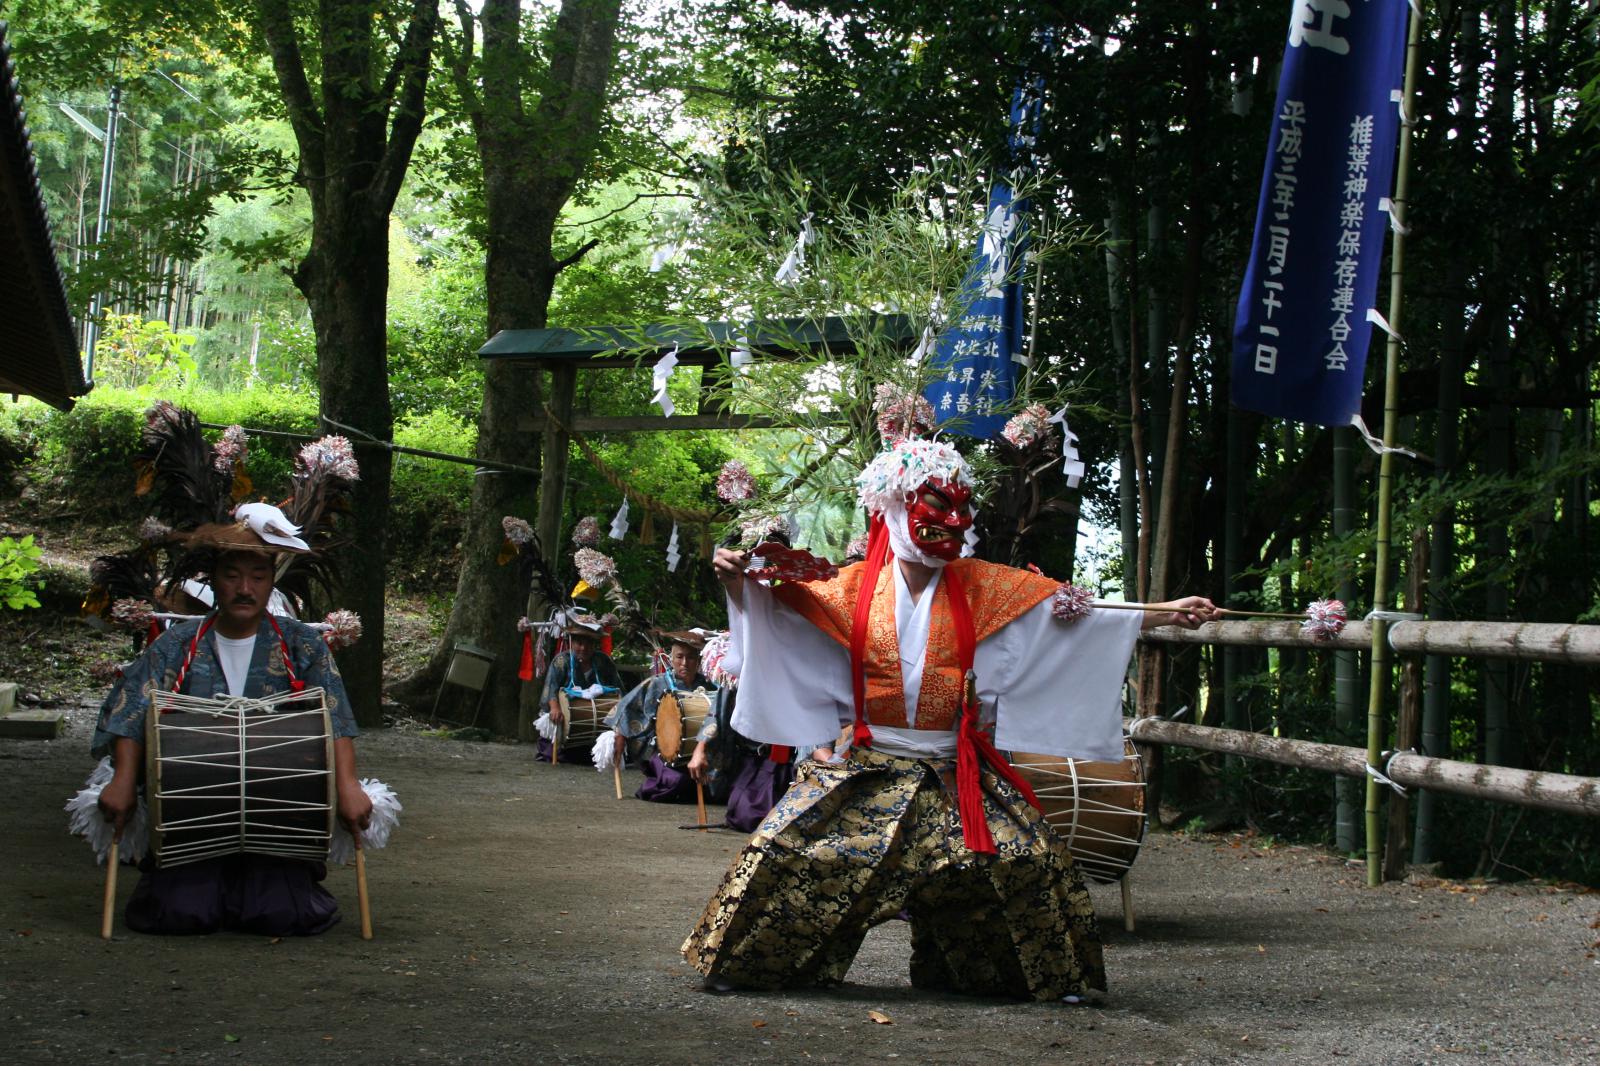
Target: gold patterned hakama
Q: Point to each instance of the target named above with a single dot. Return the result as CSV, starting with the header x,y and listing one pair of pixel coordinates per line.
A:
x,y
854,844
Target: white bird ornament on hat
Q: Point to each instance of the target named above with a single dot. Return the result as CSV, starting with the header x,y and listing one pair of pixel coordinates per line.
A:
x,y
271,525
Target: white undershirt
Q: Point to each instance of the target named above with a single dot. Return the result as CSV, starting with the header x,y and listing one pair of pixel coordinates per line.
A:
x,y
912,618
234,657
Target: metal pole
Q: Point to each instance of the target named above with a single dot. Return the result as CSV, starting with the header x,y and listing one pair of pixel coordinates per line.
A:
x,y
108,164
1377,733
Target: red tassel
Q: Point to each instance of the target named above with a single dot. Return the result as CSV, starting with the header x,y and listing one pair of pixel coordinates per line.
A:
x,y
605,641
525,670
153,632
969,790
297,685
780,754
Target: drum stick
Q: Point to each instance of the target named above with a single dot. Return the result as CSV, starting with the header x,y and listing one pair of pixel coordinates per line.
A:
x,y
361,888
616,776
700,802
108,905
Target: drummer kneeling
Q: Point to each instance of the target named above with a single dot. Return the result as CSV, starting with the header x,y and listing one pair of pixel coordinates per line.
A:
x,y
237,650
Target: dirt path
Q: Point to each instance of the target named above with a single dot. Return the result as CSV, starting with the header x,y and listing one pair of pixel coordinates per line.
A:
x,y
523,915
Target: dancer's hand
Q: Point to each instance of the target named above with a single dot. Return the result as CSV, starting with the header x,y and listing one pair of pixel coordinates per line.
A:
x,y
1190,612
729,566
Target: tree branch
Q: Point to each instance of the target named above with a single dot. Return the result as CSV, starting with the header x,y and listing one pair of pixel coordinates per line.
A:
x,y
618,210
283,45
410,73
583,249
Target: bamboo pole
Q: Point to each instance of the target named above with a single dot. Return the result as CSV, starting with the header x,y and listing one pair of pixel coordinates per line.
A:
x,y
1376,733
1565,793
1551,642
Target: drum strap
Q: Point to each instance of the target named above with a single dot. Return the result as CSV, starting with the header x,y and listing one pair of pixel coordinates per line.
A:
x,y
295,684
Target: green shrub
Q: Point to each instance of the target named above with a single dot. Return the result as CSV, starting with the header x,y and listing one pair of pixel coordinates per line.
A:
x,y
19,569
87,453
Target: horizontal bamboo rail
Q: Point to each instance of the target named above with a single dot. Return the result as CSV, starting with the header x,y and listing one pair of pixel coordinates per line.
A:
x,y
1527,641
1566,793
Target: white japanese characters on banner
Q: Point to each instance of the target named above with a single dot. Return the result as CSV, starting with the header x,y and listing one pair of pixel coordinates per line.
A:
x,y
1302,327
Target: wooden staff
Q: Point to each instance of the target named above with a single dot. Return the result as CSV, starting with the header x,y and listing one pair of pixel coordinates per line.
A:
x,y
616,776
700,802
1226,612
362,901
108,904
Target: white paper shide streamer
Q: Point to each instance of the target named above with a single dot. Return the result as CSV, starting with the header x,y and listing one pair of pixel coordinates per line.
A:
x,y
673,557
789,272
1073,466
619,524
659,378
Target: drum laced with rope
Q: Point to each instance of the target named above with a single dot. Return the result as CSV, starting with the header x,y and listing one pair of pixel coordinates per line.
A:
x,y
679,717
1096,808
582,719
239,775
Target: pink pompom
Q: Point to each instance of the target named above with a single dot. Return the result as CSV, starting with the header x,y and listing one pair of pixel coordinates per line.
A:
x,y
344,629
1324,619
331,456
596,568
133,613
517,530
1071,603
735,484
586,534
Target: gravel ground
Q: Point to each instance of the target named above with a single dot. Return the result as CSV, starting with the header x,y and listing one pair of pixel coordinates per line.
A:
x,y
525,915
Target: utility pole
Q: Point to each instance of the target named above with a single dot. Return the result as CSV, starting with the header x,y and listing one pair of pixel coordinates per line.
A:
x,y
108,165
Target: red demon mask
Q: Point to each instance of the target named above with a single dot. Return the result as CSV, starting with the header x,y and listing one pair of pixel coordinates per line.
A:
x,y
937,517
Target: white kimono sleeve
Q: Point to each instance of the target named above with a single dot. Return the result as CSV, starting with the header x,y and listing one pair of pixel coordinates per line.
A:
x,y
1056,687
794,682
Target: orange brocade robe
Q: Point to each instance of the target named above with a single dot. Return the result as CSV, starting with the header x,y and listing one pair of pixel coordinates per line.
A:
x,y
997,594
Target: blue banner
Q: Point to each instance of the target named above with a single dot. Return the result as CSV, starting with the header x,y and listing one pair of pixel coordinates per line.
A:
x,y
977,357
1302,327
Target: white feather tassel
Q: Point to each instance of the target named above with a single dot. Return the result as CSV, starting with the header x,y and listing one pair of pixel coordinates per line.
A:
x,y
604,752
385,820
545,727
84,819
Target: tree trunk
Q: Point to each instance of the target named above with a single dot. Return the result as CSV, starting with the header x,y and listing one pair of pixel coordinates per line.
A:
x,y
532,161
355,140
345,282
